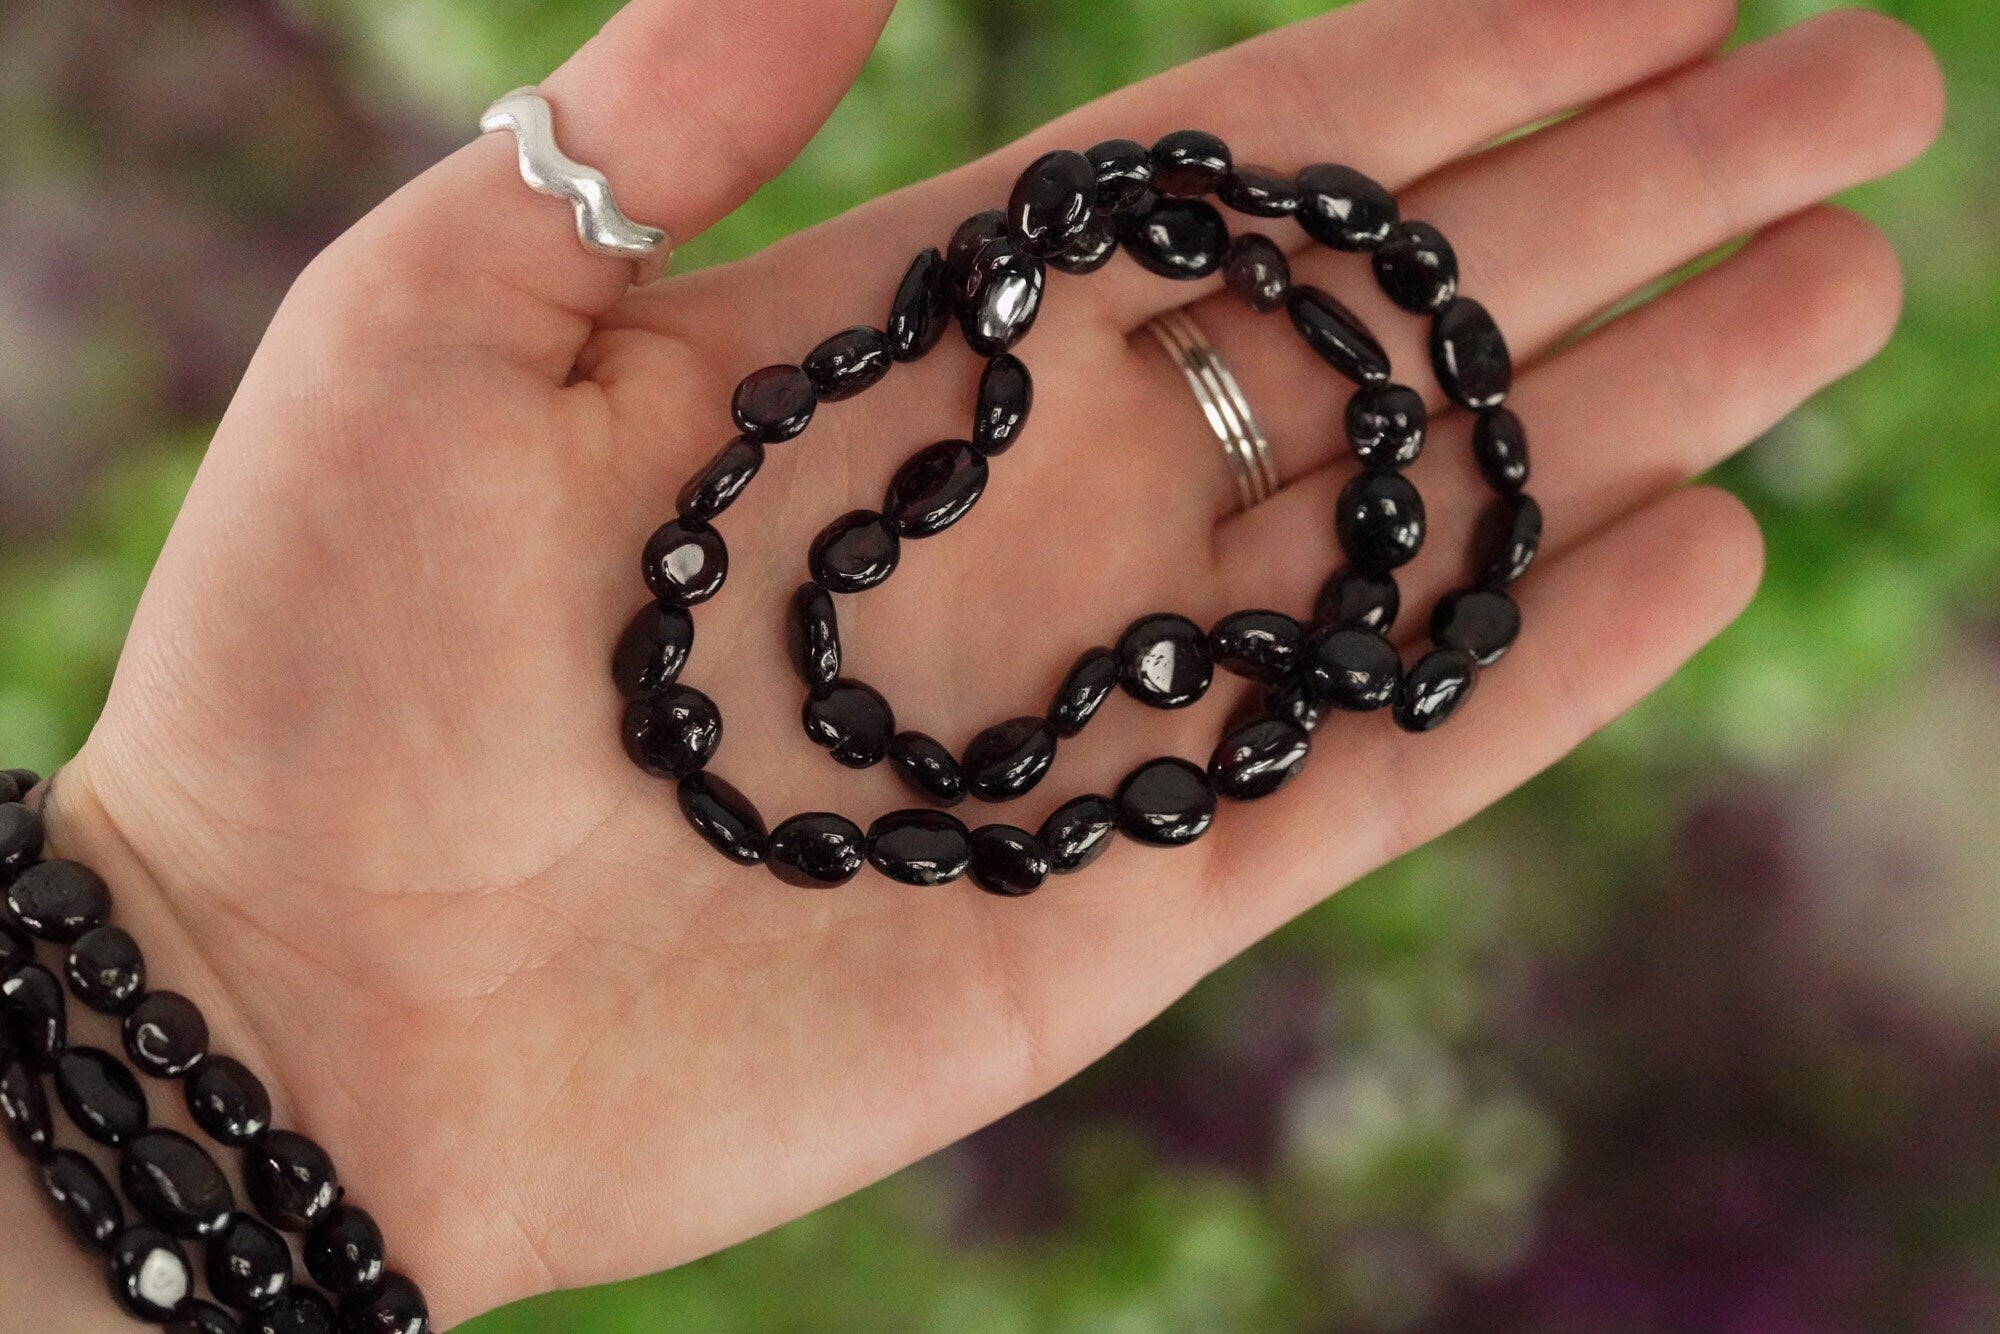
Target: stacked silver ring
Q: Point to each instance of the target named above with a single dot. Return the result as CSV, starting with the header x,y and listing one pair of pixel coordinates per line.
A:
x,y
1222,401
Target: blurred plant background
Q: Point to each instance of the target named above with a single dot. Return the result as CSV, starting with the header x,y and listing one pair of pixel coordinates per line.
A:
x,y
1700,1032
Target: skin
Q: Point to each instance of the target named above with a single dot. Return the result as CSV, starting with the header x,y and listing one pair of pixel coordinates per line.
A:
x,y
357,787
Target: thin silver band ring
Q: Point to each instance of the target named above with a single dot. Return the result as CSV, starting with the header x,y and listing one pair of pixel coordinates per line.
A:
x,y
1243,444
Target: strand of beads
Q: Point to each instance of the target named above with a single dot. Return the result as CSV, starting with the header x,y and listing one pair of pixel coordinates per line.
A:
x,y
1075,211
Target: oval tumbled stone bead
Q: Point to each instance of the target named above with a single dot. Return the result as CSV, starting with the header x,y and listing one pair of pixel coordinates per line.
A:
x,y
1257,271
20,839
59,900
1470,356
1007,861
31,1001
920,847
1379,519
1262,645
344,1252
724,817
1386,425
394,1307
1417,268
1483,621
921,310
24,1106
1190,163
672,733
927,768
652,651
774,404
1259,758
1083,692
1165,803
150,1275
853,721
200,1317
102,1097
1124,173
1519,523
1183,239
173,1182
1337,335
1341,208
1294,701
1164,661
1006,395
851,362
816,850
228,1101
855,552
1052,202
82,1199
165,1035
1352,669
1077,833
936,488
1003,296
1435,689
722,479
1091,250
812,634
967,244
249,1266
1500,445
1357,598
1009,759
16,949
685,562
290,1180
1260,192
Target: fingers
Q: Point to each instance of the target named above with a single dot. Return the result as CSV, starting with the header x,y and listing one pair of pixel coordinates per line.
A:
x,y
1555,228
1651,400
687,107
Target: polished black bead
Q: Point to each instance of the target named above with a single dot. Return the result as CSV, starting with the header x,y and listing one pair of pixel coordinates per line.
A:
x,y
1470,356
1008,861
1500,444
59,900
927,768
1260,192
1164,661
228,1101
855,552
26,780
17,947
1262,645
150,1275
672,733
968,243
102,1097
1356,598
395,1307
919,847
1293,700
715,488
1092,249
1257,270
936,488
106,970
1258,758
199,1317
290,1180
20,839
1417,268
1386,425
1435,689
1052,202
249,1266
1178,238
853,721
1341,208
1083,692
1517,522
173,1182
652,651
1003,296
24,1105
1009,759
1124,173
37,1015
344,1252
1166,803
725,817
1337,335
816,849
685,562
10,789
1352,669
1483,621
82,1199
165,1035
1006,396
1379,519
921,311
812,634
849,363
301,1311
1077,833
773,404
1190,163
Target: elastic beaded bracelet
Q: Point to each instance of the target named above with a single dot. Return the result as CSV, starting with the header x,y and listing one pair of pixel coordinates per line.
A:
x,y
1075,211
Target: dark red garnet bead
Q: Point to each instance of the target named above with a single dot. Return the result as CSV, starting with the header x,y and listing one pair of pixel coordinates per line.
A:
x,y
1417,268
1257,271
817,850
102,1097
853,721
936,488
685,562
199,1317
1006,395
150,1275
1165,802
1262,645
107,971
165,1035
1337,335
1341,208
1500,444
1124,173
1356,598
59,900
920,847
774,404
395,1307
1352,669
249,1266
1183,239
31,1000
652,651
673,732
1007,861
1379,519
1258,758
20,838
1083,692
1008,759
855,552
1483,621
344,1252
715,488
1052,202
24,1105
1260,192
1077,833
813,636
1435,689
930,770
290,1180
849,363
1190,163
176,1184
228,1101
1470,356
1518,520
921,311
725,817
1164,661
1002,297
82,1199
1386,425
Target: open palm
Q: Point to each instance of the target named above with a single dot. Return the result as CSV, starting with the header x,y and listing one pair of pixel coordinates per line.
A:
x,y
359,787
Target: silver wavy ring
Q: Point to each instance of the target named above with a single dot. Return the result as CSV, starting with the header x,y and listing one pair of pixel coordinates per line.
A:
x,y
1222,402
600,223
